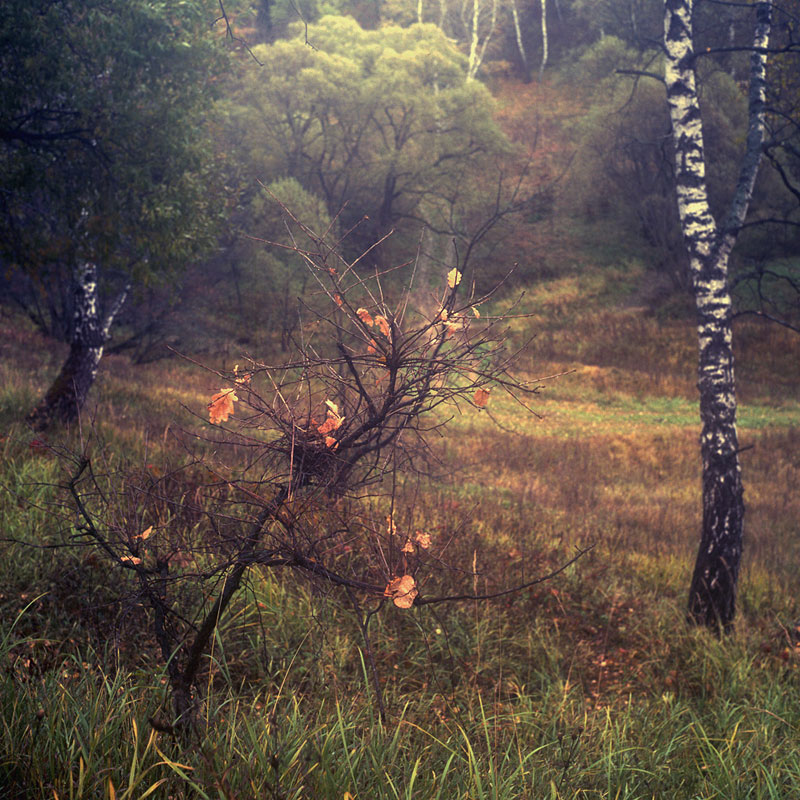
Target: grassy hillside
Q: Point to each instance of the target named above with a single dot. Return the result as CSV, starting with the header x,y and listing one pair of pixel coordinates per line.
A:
x,y
588,686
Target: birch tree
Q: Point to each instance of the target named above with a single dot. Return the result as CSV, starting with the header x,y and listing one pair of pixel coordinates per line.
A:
x,y
709,242
481,31
523,53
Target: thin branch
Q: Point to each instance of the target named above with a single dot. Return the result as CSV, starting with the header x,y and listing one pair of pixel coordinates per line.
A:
x,y
418,601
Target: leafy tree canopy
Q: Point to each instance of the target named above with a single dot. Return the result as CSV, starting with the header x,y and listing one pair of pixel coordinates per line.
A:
x,y
376,122
103,155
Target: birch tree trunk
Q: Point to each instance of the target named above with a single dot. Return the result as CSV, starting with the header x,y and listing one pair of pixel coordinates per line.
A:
x,y
712,594
65,398
523,55
545,42
477,48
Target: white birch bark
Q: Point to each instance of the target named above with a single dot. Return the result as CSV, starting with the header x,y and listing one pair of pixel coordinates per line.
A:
x,y
477,48
545,43
65,398
520,43
713,590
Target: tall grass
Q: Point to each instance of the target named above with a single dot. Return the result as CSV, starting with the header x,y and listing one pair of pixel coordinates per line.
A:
x,y
590,686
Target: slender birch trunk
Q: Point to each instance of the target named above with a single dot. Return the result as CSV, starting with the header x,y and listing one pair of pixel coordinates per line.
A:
x,y
523,55
65,398
477,48
544,40
712,595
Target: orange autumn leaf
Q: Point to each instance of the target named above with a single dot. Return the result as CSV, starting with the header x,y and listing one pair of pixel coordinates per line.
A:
x,y
221,405
330,424
422,539
242,379
408,547
145,534
476,312
334,419
402,590
130,560
364,316
383,325
481,397
453,278
371,347
454,324
338,300
331,442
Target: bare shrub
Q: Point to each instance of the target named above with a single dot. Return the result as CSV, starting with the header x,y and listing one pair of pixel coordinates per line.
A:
x,y
309,455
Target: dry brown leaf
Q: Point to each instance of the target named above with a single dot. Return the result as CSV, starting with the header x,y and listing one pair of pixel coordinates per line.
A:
x,y
383,326
481,397
453,278
242,379
130,560
364,316
221,405
338,300
330,424
422,539
145,534
402,590
333,421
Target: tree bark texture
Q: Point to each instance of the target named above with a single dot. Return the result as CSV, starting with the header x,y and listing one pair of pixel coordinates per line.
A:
x,y
712,594
66,396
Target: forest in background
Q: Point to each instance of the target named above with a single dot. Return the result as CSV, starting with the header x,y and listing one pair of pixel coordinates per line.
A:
x,y
463,152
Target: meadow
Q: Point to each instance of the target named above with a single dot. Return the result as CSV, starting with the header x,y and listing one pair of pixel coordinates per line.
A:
x,y
590,685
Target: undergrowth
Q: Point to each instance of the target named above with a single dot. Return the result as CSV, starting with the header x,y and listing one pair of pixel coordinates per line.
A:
x,y
588,686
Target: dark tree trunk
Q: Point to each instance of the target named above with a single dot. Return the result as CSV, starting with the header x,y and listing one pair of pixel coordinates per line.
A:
x,y
712,595
264,19
66,396
385,216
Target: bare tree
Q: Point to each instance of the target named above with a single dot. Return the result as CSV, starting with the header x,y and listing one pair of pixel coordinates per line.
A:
x,y
319,444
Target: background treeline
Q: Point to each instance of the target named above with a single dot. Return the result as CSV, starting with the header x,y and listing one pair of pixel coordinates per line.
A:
x,y
363,122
